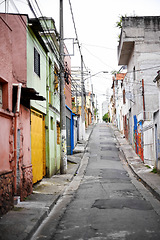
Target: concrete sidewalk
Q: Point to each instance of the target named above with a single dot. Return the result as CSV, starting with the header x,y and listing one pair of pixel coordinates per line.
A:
x,y
22,222
142,172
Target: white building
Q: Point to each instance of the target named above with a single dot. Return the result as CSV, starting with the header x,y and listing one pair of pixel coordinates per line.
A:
x,y
139,49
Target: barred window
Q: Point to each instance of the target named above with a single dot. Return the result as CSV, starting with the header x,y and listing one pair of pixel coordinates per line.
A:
x,y
36,62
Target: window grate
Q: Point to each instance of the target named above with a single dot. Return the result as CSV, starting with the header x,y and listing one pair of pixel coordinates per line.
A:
x,y
36,62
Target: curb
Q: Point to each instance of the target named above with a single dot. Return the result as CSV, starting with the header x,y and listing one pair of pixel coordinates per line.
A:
x,y
144,182
138,177
46,213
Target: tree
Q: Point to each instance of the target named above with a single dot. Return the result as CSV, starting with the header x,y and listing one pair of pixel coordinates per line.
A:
x,y
106,117
119,22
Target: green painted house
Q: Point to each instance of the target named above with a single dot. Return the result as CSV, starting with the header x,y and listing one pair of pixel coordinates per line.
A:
x,y
52,120
42,74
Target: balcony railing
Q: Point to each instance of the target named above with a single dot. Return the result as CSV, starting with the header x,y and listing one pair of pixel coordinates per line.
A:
x,y
145,116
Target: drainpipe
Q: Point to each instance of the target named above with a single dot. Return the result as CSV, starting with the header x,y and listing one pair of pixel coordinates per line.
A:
x,y
19,86
144,115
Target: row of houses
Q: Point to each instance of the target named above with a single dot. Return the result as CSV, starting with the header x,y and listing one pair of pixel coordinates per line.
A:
x,y
30,105
134,105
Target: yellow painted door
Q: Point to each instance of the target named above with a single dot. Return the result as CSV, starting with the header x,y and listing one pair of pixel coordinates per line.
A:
x,y
37,146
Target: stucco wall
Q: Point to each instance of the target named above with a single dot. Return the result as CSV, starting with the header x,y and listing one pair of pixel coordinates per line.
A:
x,y
13,69
54,148
33,80
6,143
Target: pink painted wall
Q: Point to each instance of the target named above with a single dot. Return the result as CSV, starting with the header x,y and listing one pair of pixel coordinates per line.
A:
x,y
13,69
19,47
5,47
25,127
68,95
5,128
5,79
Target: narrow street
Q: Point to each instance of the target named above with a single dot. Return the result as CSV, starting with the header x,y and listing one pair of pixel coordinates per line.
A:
x,y
109,203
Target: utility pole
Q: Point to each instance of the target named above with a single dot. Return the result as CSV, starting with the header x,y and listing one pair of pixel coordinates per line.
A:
x,y
82,101
6,6
92,109
76,101
63,149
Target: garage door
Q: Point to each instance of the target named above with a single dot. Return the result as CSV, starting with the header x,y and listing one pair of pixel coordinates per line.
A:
x,y
37,146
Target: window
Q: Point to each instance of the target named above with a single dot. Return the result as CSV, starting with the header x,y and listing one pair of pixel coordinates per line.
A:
x,y
3,94
134,74
55,79
36,62
124,96
66,74
58,133
0,95
51,123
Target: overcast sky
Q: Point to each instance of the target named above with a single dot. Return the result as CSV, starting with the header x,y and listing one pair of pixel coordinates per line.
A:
x,y
96,27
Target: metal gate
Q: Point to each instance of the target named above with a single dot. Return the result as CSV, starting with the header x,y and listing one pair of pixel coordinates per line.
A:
x,y
37,146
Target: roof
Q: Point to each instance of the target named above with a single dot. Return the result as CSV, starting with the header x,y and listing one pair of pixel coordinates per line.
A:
x,y
120,76
36,27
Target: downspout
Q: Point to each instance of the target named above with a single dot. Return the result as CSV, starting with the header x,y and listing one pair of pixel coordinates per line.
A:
x,y
144,115
19,86
72,133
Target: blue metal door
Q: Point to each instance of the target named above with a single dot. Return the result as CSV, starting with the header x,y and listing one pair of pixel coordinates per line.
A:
x,y
68,135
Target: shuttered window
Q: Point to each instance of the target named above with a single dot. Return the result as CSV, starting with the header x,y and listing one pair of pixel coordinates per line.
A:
x,y
36,62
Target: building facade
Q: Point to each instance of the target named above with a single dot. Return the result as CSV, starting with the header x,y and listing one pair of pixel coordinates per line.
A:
x,y
15,154
139,43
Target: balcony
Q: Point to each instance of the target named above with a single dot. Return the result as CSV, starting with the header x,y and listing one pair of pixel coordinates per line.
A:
x,y
125,49
148,116
132,32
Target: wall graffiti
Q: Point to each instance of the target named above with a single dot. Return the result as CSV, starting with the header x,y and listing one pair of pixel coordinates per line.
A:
x,y
138,138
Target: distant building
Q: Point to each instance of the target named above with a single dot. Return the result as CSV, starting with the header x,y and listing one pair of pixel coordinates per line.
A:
x,y
104,107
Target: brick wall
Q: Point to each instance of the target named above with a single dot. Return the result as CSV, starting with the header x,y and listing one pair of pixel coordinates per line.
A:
x,y
26,188
6,191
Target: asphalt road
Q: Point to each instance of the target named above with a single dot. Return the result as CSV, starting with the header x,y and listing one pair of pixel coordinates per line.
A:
x,y
105,202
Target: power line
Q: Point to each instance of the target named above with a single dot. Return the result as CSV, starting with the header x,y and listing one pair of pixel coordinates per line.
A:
x,y
98,58
47,39
26,27
79,47
144,69
98,46
2,2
